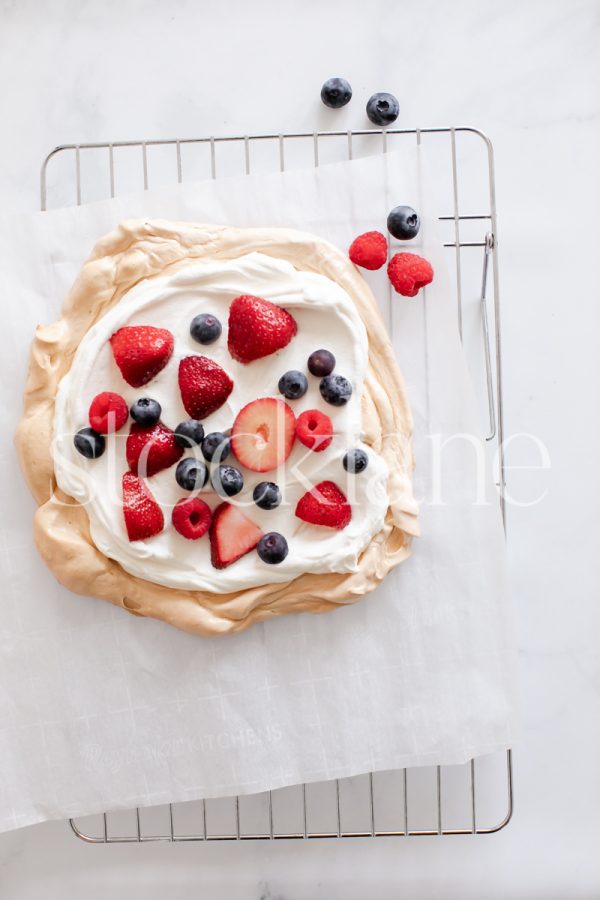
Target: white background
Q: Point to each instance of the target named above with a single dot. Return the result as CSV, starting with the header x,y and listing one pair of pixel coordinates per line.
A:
x,y
527,74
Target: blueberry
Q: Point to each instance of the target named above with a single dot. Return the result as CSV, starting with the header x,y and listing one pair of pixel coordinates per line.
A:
x,y
189,433
321,362
89,443
403,223
216,446
146,411
267,495
227,481
191,474
293,385
335,389
205,329
336,92
382,109
355,461
272,548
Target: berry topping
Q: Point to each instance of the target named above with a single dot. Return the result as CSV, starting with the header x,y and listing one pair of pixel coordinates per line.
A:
x,y
232,535
141,352
335,389
293,385
143,515
216,446
263,434
403,223
149,450
369,250
146,412
205,329
272,548
258,328
382,109
336,92
267,495
191,517
189,433
108,412
204,385
409,273
227,481
355,461
191,474
321,362
314,429
89,443
324,505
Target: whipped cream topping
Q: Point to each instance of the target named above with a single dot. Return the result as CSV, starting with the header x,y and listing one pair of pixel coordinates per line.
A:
x,y
326,317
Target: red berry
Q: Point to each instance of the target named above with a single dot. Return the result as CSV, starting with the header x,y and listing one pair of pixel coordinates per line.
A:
x,y
314,429
151,449
263,434
191,517
143,516
369,250
324,505
232,535
141,352
409,273
204,385
258,328
108,412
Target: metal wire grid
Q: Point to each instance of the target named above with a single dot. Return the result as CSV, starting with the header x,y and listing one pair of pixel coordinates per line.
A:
x,y
431,780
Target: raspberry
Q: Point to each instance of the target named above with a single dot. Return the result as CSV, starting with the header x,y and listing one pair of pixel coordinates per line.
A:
x,y
108,412
191,517
369,250
409,273
314,429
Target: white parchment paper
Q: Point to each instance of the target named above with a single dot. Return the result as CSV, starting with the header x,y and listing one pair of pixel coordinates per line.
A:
x,y
101,710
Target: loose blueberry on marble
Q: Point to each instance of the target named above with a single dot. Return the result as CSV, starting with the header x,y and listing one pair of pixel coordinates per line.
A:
x,y
189,433
205,328
293,385
89,443
227,481
272,548
266,495
146,411
382,109
216,446
355,461
321,362
403,223
335,389
191,474
336,92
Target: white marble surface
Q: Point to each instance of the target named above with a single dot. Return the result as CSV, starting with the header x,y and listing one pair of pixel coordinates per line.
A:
x,y
528,75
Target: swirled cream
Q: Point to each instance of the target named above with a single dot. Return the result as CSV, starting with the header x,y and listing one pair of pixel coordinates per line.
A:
x,y
326,317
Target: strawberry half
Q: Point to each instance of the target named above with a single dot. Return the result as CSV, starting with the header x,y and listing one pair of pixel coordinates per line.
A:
x,y
108,412
143,516
258,328
314,429
141,352
232,535
263,434
151,449
204,385
325,505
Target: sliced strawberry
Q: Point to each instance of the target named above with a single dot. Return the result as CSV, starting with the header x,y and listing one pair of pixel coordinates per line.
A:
x,y
314,429
324,505
108,412
151,449
263,434
143,515
232,535
258,328
204,385
141,352
191,517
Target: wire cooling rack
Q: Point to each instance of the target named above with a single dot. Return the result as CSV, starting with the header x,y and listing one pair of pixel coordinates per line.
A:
x,y
475,798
